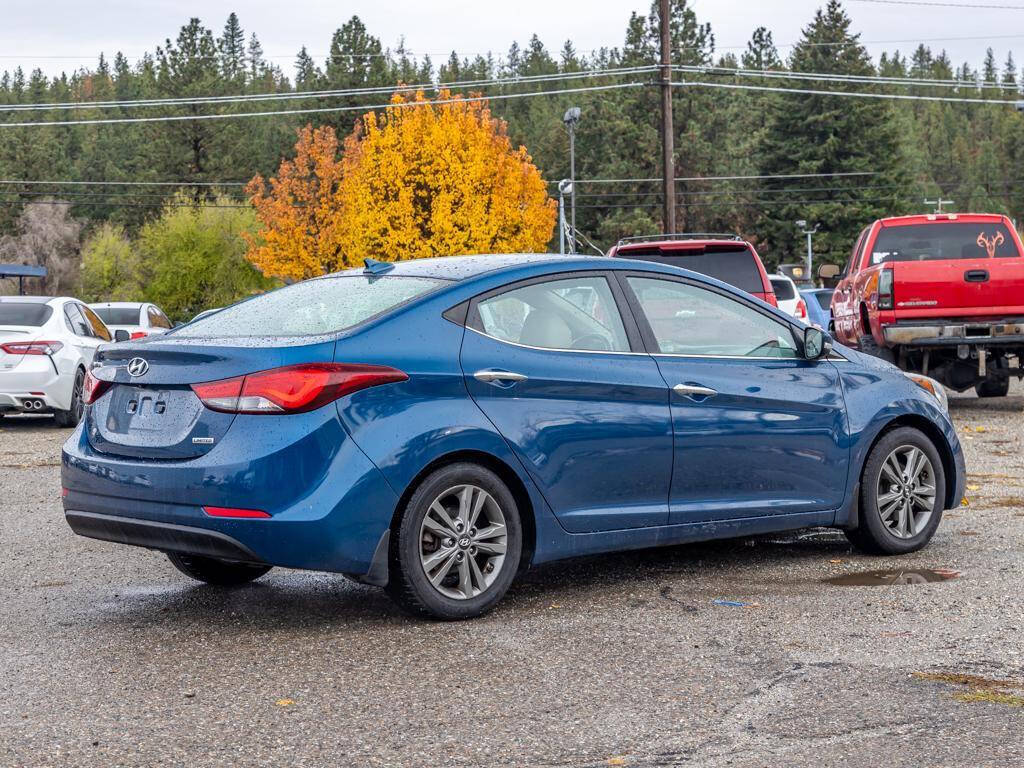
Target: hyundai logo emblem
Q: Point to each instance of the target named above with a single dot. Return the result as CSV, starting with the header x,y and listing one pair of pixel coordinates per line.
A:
x,y
137,367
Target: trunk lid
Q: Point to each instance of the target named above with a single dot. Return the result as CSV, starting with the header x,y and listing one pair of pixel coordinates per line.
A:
x,y
155,414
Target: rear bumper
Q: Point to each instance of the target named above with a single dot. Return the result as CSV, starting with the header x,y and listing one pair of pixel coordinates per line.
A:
x,y
955,334
166,537
328,504
16,387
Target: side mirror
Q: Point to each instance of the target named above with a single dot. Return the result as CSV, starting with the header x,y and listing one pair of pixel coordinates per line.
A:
x,y
817,343
121,335
828,271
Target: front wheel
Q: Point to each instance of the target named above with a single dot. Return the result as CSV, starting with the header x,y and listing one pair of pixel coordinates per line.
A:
x,y
902,494
994,387
211,570
457,546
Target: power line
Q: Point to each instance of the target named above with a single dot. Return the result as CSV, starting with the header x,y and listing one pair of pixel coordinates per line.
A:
x,y
729,178
330,93
321,110
853,94
931,4
840,78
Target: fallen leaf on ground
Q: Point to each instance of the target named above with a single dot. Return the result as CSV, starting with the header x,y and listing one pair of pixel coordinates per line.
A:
x,y
285,702
973,487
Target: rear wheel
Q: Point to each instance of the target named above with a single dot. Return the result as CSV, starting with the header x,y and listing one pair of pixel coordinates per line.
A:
x,y
217,572
458,544
902,494
994,387
73,415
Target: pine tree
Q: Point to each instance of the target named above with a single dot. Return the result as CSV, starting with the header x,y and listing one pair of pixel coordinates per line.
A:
x,y
231,46
761,52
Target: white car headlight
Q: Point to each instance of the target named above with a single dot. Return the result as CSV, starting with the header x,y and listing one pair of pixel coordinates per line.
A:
x,y
932,387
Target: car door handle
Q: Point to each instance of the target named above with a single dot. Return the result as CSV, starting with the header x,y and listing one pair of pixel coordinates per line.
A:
x,y
492,376
693,390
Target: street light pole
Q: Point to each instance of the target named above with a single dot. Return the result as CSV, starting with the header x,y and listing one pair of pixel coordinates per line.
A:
x,y
810,252
565,186
571,118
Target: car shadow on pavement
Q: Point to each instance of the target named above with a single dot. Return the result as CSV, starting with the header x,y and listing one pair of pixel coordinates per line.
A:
x,y
286,599
1011,404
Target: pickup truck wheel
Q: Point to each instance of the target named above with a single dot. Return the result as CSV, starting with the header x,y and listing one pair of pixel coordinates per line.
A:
x,y
994,387
902,494
869,346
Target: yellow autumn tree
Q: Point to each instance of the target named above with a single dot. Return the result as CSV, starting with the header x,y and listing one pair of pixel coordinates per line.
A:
x,y
436,179
299,211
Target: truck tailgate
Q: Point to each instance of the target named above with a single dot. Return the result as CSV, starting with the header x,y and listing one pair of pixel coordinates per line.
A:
x,y
959,288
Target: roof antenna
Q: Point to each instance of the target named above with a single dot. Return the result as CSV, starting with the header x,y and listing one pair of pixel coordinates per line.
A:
x,y
374,267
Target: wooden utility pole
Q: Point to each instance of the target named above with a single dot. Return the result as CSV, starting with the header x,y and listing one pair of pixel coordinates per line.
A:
x,y
667,138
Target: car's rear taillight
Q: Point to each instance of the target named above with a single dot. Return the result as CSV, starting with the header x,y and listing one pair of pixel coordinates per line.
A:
x,y
93,388
32,347
885,292
801,309
770,298
294,388
137,335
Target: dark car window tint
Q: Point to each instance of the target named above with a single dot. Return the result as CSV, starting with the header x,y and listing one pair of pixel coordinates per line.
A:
x,y
24,313
78,323
575,313
687,320
119,315
783,289
942,241
324,305
99,330
732,264
824,299
157,319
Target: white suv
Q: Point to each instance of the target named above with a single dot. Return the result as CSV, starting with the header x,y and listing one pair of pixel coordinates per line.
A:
x,y
788,297
46,347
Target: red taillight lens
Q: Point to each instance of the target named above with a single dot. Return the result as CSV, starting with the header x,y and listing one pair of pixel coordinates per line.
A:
x,y
32,347
93,388
234,512
801,309
770,298
885,283
137,335
294,388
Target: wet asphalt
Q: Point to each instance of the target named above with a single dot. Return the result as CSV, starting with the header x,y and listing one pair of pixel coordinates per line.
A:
x,y
109,656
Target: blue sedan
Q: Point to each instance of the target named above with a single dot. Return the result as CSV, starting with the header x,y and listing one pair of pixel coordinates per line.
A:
x,y
436,426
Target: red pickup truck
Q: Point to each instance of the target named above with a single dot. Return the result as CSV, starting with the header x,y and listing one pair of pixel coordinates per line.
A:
x,y
942,294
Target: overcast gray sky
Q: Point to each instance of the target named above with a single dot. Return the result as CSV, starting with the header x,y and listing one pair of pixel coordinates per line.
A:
x,y
65,34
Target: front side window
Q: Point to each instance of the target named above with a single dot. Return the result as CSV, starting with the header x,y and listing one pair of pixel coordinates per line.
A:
x,y
576,313
688,320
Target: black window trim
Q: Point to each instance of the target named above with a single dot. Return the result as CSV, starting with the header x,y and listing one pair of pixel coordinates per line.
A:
x,y
651,342
473,322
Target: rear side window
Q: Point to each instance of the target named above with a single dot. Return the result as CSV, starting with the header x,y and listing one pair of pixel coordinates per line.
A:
x,y
732,264
157,319
119,315
824,299
79,325
24,313
783,289
324,305
943,241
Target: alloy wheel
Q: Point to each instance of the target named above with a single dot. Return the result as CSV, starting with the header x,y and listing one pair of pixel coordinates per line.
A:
x,y
462,542
905,494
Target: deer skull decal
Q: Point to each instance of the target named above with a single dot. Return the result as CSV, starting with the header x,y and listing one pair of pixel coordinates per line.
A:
x,y
991,243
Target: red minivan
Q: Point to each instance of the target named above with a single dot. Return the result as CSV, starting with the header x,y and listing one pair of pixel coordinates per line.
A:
x,y
728,258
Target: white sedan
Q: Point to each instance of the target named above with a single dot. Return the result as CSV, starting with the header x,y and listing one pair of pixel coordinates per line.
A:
x,y
46,347
139,319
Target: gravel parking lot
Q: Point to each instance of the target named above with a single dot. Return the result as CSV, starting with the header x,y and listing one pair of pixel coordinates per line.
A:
x,y
109,656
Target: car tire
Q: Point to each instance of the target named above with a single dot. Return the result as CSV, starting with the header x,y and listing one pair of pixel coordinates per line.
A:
x,y
217,572
994,387
869,346
442,563
73,415
885,529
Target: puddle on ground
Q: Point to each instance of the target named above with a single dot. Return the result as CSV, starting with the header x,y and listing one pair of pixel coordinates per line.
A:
x,y
890,578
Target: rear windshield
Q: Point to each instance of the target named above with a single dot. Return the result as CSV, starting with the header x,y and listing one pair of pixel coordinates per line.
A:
x,y
312,307
942,241
783,290
824,299
24,313
730,264
118,315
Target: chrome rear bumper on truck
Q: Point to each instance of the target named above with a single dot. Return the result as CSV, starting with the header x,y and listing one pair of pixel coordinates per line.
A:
x,y
947,334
